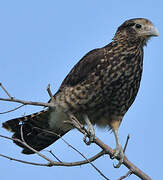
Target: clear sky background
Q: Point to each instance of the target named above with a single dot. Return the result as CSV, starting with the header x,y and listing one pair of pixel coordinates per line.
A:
x,y
40,41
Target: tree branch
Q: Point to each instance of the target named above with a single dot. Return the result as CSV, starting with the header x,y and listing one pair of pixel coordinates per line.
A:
x,y
135,170
51,152
126,175
128,137
26,145
28,102
50,93
88,160
4,89
22,161
69,164
12,109
12,99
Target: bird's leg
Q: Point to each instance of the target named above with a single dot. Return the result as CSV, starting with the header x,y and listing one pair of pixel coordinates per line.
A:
x,y
119,150
91,130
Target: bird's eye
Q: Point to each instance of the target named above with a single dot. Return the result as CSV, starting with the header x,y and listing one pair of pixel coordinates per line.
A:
x,y
138,26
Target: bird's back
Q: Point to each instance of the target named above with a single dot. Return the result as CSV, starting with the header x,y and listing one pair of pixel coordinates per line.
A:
x,y
104,83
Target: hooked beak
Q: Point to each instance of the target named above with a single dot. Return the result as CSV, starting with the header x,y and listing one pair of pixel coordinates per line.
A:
x,y
151,31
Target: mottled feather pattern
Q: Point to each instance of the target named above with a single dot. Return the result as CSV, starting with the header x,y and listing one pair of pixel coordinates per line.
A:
x,y
116,70
103,85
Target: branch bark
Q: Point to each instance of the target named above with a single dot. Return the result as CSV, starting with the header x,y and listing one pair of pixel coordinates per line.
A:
x,y
28,102
52,163
126,175
12,109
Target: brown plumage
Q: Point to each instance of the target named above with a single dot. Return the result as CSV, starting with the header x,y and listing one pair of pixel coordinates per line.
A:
x,y
102,85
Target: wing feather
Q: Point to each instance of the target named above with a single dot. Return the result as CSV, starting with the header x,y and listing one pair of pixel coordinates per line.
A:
x,y
83,68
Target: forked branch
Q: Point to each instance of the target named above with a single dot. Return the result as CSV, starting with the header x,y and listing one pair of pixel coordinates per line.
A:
x,y
12,99
54,163
108,150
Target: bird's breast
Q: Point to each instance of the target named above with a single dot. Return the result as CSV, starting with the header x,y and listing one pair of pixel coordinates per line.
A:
x,y
108,90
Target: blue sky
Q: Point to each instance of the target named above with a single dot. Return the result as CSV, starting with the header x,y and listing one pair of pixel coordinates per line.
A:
x,y
40,41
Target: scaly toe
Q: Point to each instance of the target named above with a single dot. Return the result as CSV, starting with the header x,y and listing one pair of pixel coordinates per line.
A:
x,y
90,140
118,153
119,163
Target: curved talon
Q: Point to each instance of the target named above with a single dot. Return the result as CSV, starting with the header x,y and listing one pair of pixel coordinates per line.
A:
x,y
91,139
118,153
85,140
119,164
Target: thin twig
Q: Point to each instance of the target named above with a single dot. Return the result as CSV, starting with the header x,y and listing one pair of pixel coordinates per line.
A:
x,y
32,149
91,163
50,93
12,99
28,102
51,152
52,162
88,159
5,91
69,164
22,161
79,153
128,137
110,152
12,109
126,175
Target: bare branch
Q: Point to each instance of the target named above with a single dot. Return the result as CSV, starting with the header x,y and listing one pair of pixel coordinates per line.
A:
x,y
126,175
25,144
110,151
5,91
22,161
12,109
28,102
87,160
50,93
128,137
52,163
51,152
12,99
69,164
77,163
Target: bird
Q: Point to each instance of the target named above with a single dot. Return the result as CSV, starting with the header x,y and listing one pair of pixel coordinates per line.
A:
x,y
98,90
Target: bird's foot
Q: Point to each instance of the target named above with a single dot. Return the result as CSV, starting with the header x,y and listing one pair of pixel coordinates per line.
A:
x,y
91,136
120,154
91,131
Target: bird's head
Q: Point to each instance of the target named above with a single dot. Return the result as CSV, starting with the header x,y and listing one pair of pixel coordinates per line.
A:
x,y
137,29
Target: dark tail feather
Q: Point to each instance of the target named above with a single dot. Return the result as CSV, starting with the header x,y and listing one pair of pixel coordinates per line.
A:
x,y
35,130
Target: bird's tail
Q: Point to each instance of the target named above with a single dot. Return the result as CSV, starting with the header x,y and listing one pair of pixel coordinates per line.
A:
x,y
34,130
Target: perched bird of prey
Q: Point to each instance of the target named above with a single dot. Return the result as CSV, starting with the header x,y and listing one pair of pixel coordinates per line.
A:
x,y
98,90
